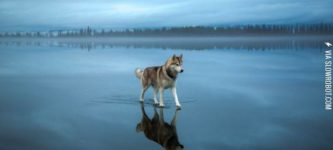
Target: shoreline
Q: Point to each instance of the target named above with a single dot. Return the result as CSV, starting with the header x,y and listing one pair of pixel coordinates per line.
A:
x,y
172,38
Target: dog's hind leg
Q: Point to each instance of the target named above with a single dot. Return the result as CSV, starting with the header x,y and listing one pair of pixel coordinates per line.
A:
x,y
175,96
144,89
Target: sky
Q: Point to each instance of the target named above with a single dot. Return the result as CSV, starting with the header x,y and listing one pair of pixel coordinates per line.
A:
x,y
22,15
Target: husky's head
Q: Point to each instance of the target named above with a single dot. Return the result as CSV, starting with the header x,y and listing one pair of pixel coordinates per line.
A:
x,y
175,63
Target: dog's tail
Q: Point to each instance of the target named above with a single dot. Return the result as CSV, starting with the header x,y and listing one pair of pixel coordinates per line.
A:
x,y
138,73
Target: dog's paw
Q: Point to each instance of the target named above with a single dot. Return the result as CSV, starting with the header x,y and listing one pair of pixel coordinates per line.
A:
x,y
161,105
141,100
178,107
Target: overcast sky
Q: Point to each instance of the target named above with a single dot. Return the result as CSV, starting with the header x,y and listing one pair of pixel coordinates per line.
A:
x,y
55,14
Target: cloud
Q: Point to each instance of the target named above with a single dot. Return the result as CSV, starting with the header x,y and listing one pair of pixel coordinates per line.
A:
x,y
115,14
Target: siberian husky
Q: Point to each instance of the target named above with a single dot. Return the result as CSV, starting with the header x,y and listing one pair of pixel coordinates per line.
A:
x,y
161,78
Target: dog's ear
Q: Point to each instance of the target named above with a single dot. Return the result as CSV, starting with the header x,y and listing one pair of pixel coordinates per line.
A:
x,y
182,146
174,57
181,56
139,127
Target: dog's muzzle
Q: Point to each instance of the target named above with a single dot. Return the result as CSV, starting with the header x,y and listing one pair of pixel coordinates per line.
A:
x,y
182,70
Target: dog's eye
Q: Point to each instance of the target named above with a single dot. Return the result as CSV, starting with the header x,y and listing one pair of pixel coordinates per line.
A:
x,y
177,64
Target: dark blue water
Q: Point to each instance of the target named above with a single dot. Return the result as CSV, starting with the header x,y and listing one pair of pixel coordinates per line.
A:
x,y
65,97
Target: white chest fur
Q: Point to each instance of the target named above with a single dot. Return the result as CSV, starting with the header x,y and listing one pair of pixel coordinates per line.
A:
x,y
167,83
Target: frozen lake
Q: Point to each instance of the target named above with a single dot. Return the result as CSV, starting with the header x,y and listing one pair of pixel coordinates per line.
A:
x,y
246,94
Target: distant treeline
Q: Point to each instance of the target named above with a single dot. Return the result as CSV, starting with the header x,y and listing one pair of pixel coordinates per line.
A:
x,y
262,29
253,43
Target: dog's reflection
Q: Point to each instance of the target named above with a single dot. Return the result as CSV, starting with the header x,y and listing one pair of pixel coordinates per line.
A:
x,y
156,129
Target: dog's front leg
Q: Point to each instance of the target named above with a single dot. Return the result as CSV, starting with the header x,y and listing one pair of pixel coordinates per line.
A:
x,y
175,96
155,96
161,97
174,119
161,117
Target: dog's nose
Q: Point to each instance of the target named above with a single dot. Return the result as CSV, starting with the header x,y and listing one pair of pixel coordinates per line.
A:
x,y
182,70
